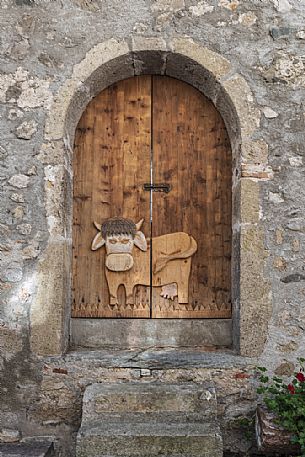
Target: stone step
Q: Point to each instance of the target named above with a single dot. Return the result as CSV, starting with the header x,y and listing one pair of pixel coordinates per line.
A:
x,y
27,450
153,418
122,438
149,398
149,419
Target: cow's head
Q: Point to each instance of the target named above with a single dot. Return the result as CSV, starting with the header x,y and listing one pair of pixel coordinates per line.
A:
x,y
119,235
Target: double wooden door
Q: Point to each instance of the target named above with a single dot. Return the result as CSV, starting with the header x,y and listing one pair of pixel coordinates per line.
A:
x,y
140,133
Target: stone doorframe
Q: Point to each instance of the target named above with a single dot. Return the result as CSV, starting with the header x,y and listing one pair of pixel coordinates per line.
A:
x,y
212,74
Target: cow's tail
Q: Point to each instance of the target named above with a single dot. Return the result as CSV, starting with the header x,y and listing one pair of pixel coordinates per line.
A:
x,y
164,259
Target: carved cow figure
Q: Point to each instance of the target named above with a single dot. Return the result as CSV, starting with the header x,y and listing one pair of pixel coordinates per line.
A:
x,y
171,259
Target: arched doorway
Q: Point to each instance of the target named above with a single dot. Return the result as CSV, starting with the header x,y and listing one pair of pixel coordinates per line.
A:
x,y
182,58
154,148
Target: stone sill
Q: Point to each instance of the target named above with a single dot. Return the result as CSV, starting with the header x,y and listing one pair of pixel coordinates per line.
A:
x,y
158,359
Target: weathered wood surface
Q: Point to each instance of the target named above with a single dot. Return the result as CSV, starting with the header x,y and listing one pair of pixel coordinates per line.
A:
x,y
270,437
111,164
173,257
191,152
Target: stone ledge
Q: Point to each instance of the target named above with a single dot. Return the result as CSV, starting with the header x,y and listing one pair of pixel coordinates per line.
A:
x,y
119,427
154,359
137,401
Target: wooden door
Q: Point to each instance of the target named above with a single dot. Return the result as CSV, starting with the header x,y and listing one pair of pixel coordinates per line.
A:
x,y
153,130
191,152
111,164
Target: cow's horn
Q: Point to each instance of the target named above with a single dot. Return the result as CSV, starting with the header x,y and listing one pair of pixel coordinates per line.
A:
x,y
98,226
139,224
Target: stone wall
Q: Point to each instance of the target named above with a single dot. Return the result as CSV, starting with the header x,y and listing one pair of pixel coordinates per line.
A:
x,y
44,44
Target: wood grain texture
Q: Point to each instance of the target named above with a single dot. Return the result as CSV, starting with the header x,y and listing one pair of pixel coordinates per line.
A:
x,y
191,152
111,164
173,253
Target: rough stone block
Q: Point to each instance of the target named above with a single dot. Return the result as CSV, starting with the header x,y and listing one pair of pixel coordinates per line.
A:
x,y
141,43
188,70
280,32
115,70
255,152
149,419
121,438
243,101
92,63
256,171
211,61
255,292
97,56
19,181
250,199
47,309
55,123
10,339
168,5
9,436
150,63
192,400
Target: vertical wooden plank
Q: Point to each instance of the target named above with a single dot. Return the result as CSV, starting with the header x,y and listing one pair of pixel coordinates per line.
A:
x,y
191,152
111,164
82,198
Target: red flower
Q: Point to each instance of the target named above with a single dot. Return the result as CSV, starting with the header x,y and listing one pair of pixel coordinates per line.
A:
x,y
291,389
300,377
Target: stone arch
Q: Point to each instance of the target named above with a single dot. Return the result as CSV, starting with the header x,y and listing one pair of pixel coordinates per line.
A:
x,y
212,74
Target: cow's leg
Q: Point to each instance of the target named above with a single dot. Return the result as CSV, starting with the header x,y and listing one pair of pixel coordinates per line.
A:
x,y
113,297
183,290
113,290
183,297
129,294
183,282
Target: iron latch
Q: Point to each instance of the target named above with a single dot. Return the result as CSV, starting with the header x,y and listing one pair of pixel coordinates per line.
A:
x,y
163,187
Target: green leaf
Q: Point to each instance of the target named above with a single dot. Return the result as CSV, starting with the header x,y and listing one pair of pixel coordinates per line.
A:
x,y
273,390
261,390
271,403
277,379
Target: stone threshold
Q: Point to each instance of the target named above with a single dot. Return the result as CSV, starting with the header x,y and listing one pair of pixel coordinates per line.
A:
x,y
156,358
